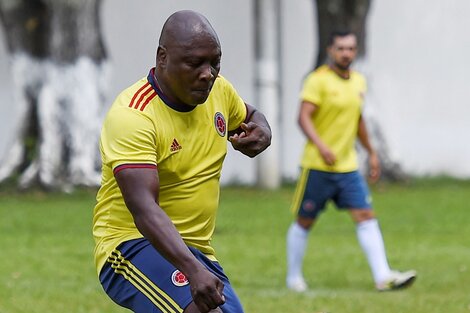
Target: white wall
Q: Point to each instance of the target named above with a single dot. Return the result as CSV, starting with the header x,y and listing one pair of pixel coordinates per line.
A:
x,y
418,64
417,58
298,54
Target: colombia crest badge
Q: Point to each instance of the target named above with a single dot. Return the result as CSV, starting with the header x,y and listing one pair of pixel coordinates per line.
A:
x,y
220,125
179,279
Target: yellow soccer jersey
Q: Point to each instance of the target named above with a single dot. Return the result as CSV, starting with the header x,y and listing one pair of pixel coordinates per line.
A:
x,y
339,104
188,148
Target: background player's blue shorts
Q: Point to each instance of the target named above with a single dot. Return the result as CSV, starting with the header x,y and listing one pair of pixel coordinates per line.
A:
x,y
137,277
315,188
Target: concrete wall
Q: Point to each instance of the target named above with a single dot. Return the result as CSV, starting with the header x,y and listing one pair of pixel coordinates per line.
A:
x,y
417,58
298,55
418,64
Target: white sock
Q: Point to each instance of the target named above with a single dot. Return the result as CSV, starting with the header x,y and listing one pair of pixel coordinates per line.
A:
x,y
296,243
371,241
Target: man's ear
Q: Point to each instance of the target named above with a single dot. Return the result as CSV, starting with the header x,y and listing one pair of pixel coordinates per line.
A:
x,y
161,56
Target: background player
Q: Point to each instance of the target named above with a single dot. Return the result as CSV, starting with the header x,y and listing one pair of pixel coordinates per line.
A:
x,y
331,119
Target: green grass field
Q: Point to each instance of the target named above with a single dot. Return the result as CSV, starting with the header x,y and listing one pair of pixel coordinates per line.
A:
x,y
46,252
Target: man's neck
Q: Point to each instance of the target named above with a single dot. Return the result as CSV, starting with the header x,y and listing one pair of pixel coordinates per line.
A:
x,y
343,73
168,100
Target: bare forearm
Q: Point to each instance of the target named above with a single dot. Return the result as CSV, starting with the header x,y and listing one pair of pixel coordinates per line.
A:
x,y
255,116
259,119
309,130
162,234
253,136
306,113
364,137
140,189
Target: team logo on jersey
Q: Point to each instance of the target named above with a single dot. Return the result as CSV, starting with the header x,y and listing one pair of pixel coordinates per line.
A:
x,y
220,125
179,279
308,205
175,146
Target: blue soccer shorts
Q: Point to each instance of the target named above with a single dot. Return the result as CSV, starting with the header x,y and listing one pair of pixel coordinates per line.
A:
x,y
137,277
315,188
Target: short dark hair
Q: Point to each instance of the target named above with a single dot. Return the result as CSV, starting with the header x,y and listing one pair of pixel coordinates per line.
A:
x,y
338,33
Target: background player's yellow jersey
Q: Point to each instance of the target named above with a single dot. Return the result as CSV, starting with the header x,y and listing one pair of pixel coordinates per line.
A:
x,y
339,104
188,148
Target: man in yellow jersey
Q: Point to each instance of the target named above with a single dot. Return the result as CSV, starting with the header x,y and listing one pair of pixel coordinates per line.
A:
x,y
162,144
331,118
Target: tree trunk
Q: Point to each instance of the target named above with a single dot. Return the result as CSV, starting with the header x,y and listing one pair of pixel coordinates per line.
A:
x,y
340,15
57,59
352,15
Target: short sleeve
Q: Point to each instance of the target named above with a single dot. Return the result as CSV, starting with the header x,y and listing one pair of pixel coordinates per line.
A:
x,y
236,105
311,90
128,137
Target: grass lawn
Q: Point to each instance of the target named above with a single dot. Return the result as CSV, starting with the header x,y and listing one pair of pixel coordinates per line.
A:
x,y
47,266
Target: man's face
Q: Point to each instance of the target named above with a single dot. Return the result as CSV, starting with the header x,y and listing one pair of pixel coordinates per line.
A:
x,y
192,67
343,51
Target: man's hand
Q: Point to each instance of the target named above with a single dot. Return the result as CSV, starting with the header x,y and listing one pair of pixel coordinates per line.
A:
x,y
206,290
252,140
328,156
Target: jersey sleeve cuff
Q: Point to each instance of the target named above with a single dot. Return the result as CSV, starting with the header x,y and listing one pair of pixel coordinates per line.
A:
x,y
124,166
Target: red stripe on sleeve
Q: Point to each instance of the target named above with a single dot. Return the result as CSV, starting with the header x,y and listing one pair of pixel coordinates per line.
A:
x,y
148,100
136,106
124,166
138,91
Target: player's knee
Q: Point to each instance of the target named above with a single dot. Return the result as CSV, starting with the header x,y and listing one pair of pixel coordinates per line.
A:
x,y
361,215
305,222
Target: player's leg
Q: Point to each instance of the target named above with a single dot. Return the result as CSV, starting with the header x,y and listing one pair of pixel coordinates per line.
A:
x,y
137,277
371,241
297,236
309,199
355,196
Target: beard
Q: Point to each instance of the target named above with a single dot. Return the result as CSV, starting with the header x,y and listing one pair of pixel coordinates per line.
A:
x,y
344,66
